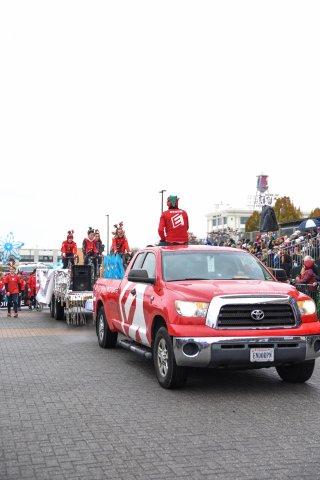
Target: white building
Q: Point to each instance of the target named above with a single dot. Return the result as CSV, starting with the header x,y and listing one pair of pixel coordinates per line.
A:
x,y
223,216
40,255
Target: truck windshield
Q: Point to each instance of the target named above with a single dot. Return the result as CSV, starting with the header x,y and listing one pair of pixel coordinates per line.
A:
x,y
212,265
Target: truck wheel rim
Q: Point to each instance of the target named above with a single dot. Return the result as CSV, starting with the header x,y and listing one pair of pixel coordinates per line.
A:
x,y
162,357
101,328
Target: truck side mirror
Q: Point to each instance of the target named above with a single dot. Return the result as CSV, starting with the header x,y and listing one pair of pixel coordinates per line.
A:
x,y
140,276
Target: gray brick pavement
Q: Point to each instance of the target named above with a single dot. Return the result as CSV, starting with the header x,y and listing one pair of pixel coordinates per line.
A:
x,y
70,410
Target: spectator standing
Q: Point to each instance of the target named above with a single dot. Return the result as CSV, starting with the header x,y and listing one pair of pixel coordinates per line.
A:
x,y
22,290
2,289
286,262
307,274
32,290
12,284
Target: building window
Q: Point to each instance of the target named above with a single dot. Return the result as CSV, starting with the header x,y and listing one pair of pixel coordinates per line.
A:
x,y
27,258
214,222
243,220
45,258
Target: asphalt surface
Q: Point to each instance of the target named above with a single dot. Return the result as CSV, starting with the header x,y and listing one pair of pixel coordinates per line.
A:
x,y
71,410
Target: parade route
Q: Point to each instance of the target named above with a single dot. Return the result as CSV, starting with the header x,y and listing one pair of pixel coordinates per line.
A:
x,y
71,410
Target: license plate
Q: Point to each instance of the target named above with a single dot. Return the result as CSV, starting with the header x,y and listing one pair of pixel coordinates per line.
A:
x,y
261,354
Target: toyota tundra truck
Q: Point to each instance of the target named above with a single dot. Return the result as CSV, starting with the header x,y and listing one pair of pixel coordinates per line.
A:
x,y
201,306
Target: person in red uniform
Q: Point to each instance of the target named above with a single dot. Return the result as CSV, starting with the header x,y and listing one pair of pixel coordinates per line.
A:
x,y
32,289
22,289
174,224
119,242
2,289
68,250
90,251
12,283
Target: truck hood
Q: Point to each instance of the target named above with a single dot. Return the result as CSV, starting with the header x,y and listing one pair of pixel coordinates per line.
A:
x,y
205,290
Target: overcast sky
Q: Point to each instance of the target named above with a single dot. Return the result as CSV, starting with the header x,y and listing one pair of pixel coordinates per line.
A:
x,y
104,103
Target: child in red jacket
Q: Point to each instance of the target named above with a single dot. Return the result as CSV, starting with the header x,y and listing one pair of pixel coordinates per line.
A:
x,y
68,250
13,286
119,242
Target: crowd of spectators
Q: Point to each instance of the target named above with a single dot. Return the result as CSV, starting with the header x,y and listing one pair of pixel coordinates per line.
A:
x,y
273,249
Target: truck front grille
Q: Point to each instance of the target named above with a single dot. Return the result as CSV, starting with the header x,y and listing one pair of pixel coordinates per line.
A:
x,y
241,315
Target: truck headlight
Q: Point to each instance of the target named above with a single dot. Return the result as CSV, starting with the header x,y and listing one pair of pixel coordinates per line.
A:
x,y
192,309
306,307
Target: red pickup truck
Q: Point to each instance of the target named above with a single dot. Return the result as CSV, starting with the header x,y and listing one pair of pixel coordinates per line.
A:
x,y
200,306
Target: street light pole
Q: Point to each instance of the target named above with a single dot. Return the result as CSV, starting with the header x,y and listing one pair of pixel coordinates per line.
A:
x,y
108,233
162,192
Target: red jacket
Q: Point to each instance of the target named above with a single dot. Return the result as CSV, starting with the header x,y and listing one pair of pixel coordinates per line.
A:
x,y
307,277
23,283
68,248
120,245
174,226
32,285
89,246
12,283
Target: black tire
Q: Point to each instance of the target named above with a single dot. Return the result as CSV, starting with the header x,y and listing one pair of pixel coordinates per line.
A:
x,y
297,372
106,338
169,374
52,306
58,310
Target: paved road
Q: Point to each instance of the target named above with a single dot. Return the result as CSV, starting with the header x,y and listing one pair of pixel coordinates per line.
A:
x,y
70,410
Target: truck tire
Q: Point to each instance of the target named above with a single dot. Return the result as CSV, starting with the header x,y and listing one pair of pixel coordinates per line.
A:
x,y
58,310
169,374
296,373
52,306
106,338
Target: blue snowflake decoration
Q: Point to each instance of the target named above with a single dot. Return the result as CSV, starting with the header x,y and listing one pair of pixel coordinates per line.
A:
x,y
9,248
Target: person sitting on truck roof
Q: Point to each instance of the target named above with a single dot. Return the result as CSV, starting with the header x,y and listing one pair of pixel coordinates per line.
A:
x,y
68,250
174,224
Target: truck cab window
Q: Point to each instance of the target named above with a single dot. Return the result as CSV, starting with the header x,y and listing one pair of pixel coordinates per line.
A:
x,y
138,261
149,264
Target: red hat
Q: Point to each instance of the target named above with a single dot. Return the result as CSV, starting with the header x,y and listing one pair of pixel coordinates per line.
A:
x,y
70,235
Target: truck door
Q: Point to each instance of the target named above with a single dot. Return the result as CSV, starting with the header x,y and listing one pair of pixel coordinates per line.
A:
x,y
136,303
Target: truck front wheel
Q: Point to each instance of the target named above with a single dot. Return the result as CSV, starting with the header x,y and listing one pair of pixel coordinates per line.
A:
x,y
106,338
169,374
297,372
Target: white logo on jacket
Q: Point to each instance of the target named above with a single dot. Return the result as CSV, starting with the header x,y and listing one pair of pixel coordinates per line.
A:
x,y
177,220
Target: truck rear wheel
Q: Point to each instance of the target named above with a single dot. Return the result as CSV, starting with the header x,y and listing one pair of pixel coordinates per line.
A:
x,y
296,373
58,310
106,338
169,374
52,306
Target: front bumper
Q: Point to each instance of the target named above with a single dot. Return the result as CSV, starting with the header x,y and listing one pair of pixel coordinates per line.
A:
x,y
235,351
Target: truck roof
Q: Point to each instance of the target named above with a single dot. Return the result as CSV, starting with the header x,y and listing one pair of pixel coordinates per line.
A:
x,y
174,248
